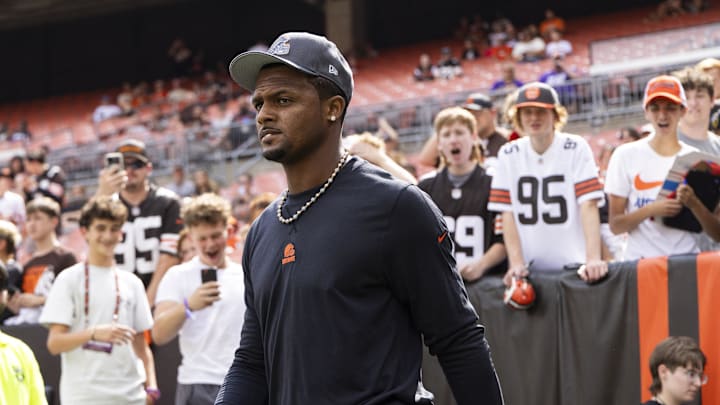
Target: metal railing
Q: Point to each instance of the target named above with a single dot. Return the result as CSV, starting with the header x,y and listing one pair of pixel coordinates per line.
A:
x,y
593,100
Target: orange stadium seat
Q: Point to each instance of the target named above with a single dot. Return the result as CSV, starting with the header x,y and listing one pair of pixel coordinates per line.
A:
x,y
388,77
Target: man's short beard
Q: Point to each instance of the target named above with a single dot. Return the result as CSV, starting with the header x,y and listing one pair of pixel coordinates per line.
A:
x,y
134,187
275,155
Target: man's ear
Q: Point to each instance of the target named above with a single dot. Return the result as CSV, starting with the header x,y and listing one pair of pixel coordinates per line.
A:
x,y
663,371
335,107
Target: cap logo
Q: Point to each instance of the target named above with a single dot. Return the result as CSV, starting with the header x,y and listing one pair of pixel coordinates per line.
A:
x,y
532,93
659,86
332,70
130,149
280,47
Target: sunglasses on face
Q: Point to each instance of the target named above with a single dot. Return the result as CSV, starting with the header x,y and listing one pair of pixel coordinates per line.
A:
x,y
135,164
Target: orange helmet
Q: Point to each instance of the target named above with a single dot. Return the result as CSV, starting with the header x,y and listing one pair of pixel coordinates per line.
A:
x,y
520,294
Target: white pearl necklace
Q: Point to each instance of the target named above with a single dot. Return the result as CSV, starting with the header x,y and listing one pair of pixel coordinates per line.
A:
x,y
314,198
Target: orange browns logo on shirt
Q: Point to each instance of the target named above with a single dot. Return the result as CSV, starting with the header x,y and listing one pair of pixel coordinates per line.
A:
x,y
288,254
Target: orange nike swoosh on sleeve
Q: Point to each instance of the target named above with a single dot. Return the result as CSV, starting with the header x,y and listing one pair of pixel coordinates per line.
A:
x,y
442,237
643,185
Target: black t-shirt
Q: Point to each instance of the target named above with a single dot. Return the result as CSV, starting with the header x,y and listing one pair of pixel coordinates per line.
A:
x,y
339,301
151,228
494,143
715,117
14,271
652,402
51,183
465,211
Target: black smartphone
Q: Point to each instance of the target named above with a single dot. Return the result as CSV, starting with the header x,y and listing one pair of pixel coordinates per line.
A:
x,y
208,275
114,158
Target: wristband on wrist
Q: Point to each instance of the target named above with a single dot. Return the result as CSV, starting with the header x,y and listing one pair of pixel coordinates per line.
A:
x,y
188,311
153,393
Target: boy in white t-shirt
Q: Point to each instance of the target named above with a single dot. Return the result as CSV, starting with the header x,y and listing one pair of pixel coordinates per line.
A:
x,y
202,301
97,315
637,171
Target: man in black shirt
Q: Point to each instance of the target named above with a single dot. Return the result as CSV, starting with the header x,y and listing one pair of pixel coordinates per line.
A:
x,y
151,231
349,270
485,114
44,179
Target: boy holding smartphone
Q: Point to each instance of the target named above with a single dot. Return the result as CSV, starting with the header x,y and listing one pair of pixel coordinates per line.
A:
x,y
202,301
97,315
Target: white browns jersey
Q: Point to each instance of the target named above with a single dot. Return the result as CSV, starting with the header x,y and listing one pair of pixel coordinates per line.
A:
x,y
636,172
544,193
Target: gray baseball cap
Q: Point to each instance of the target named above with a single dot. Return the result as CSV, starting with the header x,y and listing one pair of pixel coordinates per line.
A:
x,y
308,53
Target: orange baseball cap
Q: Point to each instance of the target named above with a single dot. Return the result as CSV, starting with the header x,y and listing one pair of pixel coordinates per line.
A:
x,y
667,87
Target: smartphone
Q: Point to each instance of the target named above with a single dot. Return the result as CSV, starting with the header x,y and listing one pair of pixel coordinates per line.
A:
x,y
208,275
114,158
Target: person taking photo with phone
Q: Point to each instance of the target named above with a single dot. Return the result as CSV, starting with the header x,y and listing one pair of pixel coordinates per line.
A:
x,y
150,234
202,301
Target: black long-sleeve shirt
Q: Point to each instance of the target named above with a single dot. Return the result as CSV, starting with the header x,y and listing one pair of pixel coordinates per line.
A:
x,y
338,302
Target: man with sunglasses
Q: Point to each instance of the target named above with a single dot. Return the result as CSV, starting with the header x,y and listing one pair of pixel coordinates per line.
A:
x,y
149,245
44,179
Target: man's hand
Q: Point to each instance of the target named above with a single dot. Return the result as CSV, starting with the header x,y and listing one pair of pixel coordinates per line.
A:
x,y
14,303
30,300
204,295
665,208
111,180
515,271
114,333
593,270
686,196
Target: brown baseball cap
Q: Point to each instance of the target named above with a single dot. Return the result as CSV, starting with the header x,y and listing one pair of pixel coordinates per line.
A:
x,y
135,149
537,94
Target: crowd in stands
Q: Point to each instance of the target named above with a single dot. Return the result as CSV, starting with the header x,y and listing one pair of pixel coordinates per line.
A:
x,y
498,40
31,177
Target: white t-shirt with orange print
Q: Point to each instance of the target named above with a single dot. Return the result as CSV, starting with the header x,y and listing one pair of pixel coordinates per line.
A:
x,y
637,172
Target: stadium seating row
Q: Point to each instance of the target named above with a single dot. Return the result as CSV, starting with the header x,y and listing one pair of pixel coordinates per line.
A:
x,y
62,121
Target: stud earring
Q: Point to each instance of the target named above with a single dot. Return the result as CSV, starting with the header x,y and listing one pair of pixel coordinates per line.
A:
x,y
332,118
